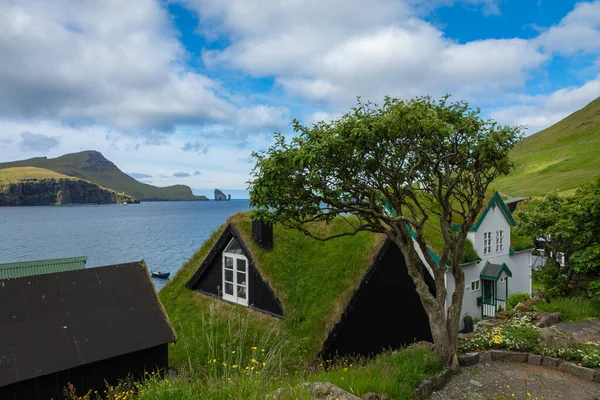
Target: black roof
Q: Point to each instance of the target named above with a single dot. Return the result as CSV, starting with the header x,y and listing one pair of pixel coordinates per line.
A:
x,y
53,322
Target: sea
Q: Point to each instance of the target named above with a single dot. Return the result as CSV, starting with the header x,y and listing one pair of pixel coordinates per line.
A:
x,y
164,234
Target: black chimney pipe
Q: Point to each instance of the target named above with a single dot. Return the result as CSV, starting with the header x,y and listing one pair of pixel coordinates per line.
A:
x,y
263,234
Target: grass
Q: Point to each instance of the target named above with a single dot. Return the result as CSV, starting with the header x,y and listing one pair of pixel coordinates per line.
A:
x,y
93,167
560,157
573,309
395,375
18,174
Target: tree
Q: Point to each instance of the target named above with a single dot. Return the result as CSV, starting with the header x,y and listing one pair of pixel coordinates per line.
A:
x,y
431,162
571,226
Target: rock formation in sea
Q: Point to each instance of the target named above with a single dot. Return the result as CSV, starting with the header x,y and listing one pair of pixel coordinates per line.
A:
x,y
220,196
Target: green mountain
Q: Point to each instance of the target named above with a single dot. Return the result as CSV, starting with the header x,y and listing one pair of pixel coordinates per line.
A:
x,y
92,166
560,157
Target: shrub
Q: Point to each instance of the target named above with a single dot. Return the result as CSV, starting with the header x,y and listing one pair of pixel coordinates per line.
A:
x,y
517,335
515,299
573,309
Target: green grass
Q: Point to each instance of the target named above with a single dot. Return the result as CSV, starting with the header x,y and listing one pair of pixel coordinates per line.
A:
x,y
394,375
93,167
560,157
18,174
573,309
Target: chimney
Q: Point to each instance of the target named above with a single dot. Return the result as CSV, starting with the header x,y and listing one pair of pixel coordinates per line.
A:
x,y
263,234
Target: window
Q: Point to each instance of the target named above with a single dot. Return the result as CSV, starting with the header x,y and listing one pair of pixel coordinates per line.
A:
x,y
487,242
474,286
235,274
499,241
503,279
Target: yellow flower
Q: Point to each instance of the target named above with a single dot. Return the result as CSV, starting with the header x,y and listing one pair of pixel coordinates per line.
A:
x,y
254,361
233,352
253,347
264,364
234,366
224,364
214,360
262,350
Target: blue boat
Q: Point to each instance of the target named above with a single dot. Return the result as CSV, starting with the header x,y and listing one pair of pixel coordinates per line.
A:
x,y
160,274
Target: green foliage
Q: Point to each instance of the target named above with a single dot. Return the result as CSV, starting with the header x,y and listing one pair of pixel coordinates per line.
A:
x,y
515,299
587,355
573,309
560,157
571,226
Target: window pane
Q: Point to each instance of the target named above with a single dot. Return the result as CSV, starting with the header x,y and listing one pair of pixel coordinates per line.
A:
x,y
241,292
241,265
228,275
229,288
234,247
241,278
229,262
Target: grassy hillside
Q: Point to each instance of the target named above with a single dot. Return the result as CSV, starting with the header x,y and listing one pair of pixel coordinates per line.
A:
x,y
92,166
18,174
560,157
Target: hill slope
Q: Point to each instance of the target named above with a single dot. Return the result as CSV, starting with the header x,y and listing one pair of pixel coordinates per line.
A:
x,y
92,166
563,156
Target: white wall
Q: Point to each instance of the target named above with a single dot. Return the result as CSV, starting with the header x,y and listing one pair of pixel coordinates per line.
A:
x,y
494,220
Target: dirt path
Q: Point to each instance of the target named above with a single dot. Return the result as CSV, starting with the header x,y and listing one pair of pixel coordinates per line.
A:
x,y
496,381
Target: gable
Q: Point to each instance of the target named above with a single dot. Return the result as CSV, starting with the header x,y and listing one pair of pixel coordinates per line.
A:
x,y
495,205
209,279
54,322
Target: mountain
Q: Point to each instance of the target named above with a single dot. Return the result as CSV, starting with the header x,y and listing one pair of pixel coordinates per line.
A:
x,y
32,186
92,166
560,157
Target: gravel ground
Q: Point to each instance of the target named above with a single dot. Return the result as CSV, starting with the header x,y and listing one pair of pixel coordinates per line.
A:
x,y
496,381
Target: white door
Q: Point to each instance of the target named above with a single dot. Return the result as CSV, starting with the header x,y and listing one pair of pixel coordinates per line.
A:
x,y
235,278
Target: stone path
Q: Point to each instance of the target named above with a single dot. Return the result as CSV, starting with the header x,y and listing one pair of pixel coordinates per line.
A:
x,y
499,380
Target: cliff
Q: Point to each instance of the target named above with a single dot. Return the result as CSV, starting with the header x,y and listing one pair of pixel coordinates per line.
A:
x,y
220,196
92,166
39,187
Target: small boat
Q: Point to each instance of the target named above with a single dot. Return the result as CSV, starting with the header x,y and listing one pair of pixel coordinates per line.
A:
x,y
160,274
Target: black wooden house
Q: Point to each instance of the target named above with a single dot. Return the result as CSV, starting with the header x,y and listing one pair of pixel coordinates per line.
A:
x,y
374,305
80,327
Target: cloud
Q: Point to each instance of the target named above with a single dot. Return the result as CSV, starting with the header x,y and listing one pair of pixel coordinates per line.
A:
x,y
541,111
578,31
196,147
33,142
181,175
109,62
139,176
328,53
197,173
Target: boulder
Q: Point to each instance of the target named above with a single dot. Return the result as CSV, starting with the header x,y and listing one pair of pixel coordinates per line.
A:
x,y
525,306
545,320
587,374
375,396
317,390
468,359
555,338
504,315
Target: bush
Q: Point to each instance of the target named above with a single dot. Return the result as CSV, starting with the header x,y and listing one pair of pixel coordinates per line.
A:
x,y
515,299
516,335
573,309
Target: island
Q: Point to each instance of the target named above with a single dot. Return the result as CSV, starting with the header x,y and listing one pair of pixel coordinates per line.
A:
x,y
220,196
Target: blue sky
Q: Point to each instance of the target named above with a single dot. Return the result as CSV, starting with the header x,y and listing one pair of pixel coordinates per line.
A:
x,y
181,92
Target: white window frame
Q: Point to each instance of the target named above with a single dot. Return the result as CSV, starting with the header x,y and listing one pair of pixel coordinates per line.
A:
x,y
234,297
477,286
487,242
499,241
502,280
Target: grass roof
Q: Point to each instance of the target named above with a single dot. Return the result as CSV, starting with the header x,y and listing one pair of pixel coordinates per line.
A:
x,y
314,281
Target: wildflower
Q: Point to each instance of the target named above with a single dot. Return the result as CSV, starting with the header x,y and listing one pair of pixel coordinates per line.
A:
x,y
224,364
262,350
264,364
233,352
254,361
253,347
234,366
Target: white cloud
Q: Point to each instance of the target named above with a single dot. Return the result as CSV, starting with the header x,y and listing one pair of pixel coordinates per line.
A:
x,y
327,52
578,31
542,111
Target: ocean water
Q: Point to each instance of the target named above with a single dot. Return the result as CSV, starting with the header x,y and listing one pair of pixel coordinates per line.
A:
x,y
164,234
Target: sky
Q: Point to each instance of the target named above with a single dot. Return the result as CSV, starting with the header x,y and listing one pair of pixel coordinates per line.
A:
x,y
183,91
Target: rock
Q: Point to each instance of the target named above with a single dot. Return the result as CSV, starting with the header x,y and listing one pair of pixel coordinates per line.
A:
x,y
220,196
468,359
525,306
487,324
485,357
545,320
428,386
375,396
317,390
504,315
550,362
555,338
509,356
534,359
475,383
582,372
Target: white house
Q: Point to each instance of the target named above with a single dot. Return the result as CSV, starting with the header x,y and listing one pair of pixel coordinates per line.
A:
x,y
501,271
